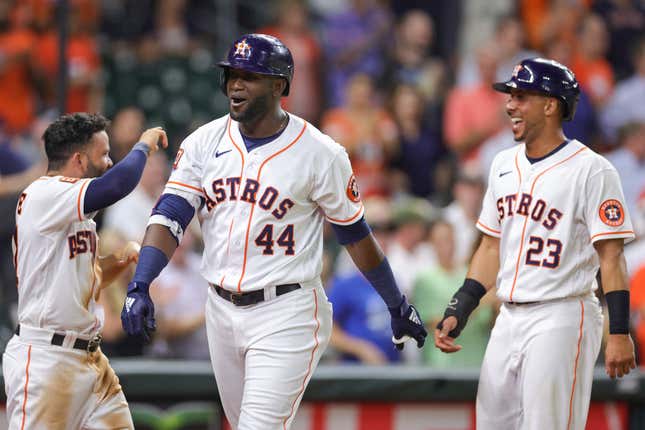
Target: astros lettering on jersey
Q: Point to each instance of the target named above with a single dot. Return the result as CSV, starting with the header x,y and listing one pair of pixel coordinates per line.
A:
x,y
55,252
546,229
266,221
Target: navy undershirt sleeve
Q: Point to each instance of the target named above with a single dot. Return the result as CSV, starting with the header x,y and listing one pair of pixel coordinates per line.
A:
x,y
116,183
346,234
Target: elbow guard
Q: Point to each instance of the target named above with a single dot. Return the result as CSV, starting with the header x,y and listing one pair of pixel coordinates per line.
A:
x,y
174,212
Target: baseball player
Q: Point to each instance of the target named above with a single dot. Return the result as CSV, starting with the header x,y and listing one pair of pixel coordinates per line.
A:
x,y
55,373
553,214
263,181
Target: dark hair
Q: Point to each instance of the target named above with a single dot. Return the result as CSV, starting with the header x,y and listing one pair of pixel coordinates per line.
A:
x,y
69,133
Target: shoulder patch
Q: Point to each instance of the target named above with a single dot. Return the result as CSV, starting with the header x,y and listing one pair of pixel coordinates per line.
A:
x,y
177,158
69,180
611,212
352,190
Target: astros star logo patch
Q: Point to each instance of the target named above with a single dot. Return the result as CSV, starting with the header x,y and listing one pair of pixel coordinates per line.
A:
x,y
612,213
242,49
352,190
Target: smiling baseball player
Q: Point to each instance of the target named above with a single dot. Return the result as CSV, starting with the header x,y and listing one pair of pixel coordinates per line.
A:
x,y
264,182
55,373
554,213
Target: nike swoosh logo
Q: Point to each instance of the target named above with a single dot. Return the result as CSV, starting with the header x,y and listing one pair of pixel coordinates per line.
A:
x,y
217,154
505,173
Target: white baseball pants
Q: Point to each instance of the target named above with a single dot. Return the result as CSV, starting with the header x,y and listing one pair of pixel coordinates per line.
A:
x,y
538,367
54,387
263,355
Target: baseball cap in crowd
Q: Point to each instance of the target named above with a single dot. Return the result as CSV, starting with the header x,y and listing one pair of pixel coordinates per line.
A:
x,y
409,210
378,212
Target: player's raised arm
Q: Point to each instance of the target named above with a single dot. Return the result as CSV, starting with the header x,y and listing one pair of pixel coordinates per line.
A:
x,y
619,352
480,278
120,180
169,219
369,259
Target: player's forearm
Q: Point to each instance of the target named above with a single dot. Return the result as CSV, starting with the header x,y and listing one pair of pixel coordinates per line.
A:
x,y
158,247
613,275
366,253
117,182
370,260
485,263
159,236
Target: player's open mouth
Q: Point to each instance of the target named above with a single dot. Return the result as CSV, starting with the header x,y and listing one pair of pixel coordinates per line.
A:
x,y
517,123
237,101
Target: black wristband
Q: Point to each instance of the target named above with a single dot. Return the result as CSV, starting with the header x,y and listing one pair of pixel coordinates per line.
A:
x,y
462,304
618,307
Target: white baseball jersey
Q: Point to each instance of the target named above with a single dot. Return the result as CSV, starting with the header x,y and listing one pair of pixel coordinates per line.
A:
x,y
55,250
263,215
547,215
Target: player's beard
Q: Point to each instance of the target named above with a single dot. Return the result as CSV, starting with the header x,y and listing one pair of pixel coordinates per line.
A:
x,y
255,109
93,171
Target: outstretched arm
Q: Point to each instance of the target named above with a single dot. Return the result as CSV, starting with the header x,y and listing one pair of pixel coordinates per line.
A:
x,y
481,277
121,179
370,260
619,352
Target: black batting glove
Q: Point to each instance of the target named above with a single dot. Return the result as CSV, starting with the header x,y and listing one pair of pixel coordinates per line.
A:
x,y
462,304
406,324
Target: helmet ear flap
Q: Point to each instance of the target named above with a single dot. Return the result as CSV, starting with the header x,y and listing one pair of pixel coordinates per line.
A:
x,y
223,79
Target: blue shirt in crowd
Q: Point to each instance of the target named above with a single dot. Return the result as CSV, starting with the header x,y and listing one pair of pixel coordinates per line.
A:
x,y
361,313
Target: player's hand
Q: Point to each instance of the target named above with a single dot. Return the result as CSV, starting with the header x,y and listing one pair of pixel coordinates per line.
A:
x,y
442,339
619,355
138,314
406,324
130,253
154,138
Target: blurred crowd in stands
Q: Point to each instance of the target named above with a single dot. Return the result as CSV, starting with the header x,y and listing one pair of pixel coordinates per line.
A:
x,y
404,85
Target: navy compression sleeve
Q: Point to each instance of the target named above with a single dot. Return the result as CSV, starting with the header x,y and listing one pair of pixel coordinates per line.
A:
x,y
346,234
117,182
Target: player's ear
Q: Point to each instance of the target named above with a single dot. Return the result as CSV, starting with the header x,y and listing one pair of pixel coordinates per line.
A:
x,y
79,160
279,85
552,107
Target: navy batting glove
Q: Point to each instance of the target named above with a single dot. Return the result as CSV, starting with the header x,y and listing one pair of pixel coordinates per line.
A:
x,y
406,324
138,314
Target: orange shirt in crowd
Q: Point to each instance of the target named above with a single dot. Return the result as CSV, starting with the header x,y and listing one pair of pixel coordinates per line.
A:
x,y
478,109
537,15
16,89
369,140
595,76
84,64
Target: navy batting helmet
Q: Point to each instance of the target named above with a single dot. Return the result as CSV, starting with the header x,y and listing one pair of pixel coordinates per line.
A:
x,y
547,77
258,53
